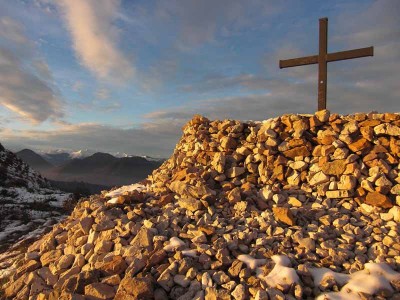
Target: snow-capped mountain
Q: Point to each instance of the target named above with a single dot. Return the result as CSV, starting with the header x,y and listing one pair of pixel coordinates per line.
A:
x,y
149,158
81,153
60,156
27,200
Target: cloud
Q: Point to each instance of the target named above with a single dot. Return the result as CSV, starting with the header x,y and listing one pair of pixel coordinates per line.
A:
x,y
199,22
12,31
152,79
99,106
103,93
77,86
155,139
95,37
215,82
285,97
26,84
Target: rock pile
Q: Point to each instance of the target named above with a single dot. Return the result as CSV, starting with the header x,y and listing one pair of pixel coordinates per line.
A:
x,y
258,210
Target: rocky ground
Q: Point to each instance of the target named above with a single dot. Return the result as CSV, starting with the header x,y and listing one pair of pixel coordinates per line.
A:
x,y
295,207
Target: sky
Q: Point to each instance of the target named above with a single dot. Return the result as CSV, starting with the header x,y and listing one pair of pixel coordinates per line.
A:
x,y
125,76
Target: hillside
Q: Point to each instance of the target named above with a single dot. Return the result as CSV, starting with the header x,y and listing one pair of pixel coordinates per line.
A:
x,y
294,207
34,160
28,203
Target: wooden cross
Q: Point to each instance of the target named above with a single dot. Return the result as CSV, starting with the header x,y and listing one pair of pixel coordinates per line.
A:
x,y
323,58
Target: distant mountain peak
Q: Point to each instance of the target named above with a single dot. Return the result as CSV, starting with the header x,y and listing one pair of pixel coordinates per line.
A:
x,y
33,159
81,153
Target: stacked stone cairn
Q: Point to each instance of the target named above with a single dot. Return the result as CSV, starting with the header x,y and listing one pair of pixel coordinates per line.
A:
x,y
322,191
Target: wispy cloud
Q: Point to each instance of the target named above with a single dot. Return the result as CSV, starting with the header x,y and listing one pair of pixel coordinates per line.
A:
x,y
95,37
26,84
12,31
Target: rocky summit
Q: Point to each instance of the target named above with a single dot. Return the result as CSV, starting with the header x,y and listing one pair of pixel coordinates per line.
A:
x,y
294,207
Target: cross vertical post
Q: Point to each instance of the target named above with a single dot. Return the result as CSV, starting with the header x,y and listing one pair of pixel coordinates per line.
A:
x,y
322,63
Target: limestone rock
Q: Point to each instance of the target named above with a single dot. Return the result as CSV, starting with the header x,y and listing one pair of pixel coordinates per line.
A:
x,y
218,162
284,215
395,212
99,291
239,293
103,246
86,224
379,200
319,178
135,288
322,115
65,261
234,195
297,151
189,203
339,194
359,145
50,256
143,239
116,265
388,129
228,143
335,167
235,172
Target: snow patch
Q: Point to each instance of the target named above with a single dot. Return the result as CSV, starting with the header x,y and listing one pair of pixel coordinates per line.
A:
x,y
319,274
282,274
174,243
251,262
51,197
124,189
190,252
374,277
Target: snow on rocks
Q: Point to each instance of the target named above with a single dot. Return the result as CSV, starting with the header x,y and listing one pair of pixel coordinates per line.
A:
x,y
174,244
251,262
117,195
281,275
374,278
124,189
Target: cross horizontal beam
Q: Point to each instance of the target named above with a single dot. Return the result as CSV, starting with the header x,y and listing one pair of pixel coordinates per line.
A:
x,y
313,59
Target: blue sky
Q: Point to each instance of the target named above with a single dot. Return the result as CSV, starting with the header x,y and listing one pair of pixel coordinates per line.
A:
x,y
124,76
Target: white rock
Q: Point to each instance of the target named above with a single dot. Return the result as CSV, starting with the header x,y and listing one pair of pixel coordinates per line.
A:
x,y
181,280
299,165
266,194
206,281
387,129
239,293
395,212
319,178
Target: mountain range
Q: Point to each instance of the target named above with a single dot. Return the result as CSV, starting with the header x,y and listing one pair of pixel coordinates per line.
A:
x,y
99,168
